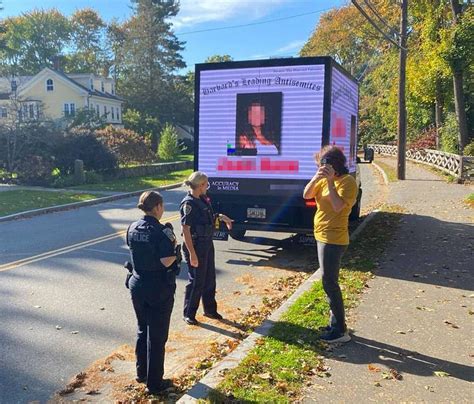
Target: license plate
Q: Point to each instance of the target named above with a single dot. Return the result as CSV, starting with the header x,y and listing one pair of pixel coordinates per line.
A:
x,y
256,213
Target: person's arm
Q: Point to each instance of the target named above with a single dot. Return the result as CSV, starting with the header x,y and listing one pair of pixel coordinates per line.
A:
x,y
168,261
226,219
310,188
188,241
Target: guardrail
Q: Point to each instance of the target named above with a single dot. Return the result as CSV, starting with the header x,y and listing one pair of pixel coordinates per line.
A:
x,y
458,166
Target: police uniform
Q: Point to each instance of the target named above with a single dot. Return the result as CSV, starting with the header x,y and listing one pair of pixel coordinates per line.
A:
x,y
198,214
152,287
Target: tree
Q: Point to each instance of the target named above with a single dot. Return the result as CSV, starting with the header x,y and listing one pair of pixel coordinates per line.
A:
x,y
34,40
149,57
169,147
89,48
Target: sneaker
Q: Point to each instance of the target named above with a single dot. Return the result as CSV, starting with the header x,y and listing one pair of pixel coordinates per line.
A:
x,y
190,320
163,386
215,316
139,379
335,336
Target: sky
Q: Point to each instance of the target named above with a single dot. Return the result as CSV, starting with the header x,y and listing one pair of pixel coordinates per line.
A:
x,y
266,28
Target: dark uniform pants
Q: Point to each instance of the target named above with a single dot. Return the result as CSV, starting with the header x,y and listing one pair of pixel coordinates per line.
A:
x,y
153,304
201,280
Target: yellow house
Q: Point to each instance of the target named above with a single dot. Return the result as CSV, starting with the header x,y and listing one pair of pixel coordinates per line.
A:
x,y
55,95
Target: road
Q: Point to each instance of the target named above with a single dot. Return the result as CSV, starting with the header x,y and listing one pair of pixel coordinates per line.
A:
x,y
63,303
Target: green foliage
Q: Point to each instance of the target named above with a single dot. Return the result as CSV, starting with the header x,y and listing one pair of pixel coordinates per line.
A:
x,y
126,144
449,134
469,149
84,145
169,148
145,125
85,118
35,170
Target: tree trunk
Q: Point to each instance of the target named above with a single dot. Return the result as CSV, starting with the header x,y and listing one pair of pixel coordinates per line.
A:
x,y
458,73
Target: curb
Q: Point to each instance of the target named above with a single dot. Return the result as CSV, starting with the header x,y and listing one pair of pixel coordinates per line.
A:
x,y
382,172
212,379
75,205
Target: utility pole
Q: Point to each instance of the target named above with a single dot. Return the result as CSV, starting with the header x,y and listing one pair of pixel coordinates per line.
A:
x,y
402,110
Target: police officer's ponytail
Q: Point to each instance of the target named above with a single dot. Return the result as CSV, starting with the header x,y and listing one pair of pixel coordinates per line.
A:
x,y
148,200
195,179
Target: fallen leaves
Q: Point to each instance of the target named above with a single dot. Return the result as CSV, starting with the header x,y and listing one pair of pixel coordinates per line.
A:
x,y
424,308
373,368
451,324
441,373
392,374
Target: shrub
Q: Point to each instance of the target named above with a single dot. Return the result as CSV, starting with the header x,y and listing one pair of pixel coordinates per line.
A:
x,y
127,145
469,149
93,178
169,147
82,144
427,140
35,170
449,134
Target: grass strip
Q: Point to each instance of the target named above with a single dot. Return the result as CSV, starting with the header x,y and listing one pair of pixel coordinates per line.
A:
x,y
389,170
277,368
22,200
470,200
138,183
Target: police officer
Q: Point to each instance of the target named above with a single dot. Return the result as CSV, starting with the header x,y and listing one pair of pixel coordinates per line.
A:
x,y
197,221
152,287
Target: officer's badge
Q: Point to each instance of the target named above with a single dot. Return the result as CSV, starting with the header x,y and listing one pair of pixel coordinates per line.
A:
x,y
169,233
187,208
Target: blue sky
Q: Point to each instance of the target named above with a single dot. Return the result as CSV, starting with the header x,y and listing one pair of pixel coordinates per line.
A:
x,y
280,38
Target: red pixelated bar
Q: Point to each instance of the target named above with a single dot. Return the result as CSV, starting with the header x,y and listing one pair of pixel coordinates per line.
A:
x,y
339,126
278,166
224,164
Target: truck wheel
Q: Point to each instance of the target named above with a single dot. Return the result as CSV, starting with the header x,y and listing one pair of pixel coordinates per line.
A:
x,y
355,212
237,234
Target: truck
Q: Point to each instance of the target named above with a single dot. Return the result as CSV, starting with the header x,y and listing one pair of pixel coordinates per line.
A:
x,y
258,126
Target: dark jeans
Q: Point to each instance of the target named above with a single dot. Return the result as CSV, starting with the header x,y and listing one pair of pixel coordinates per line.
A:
x,y
201,280
153,304
329,256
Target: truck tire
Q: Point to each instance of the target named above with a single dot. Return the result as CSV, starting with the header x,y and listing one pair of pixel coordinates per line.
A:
x,y
237,234
355,212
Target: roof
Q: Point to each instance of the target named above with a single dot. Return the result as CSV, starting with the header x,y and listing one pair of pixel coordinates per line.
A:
x,y
5,85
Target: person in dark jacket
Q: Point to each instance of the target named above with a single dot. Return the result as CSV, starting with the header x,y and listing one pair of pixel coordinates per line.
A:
x,y
152,287
197,221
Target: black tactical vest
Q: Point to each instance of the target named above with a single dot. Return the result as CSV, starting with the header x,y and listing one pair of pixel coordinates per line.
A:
x,y
203,226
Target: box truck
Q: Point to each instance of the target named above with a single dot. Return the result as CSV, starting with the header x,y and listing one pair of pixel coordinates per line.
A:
x,y
258,125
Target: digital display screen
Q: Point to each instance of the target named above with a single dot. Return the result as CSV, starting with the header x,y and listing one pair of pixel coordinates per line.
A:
x,y
260,123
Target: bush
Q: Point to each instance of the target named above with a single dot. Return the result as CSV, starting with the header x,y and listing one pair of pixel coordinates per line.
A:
x,y
427,140
169,147
126,144
469,149
35,170
93,178
449,134
82,144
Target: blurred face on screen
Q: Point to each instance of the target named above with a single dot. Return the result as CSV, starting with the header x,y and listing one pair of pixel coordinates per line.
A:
x,y
256,114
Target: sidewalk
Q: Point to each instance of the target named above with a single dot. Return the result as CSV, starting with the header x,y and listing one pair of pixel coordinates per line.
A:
x,y
415,317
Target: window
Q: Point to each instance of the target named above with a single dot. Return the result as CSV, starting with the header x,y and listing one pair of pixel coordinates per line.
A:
x,y
69,109
105,110
113,89
49,85
31,110
118,113
91,106
92,84
102,86
113,112
3,112
97,106
25,111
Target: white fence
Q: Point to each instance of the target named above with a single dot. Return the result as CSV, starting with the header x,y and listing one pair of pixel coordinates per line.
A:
x,y
458,166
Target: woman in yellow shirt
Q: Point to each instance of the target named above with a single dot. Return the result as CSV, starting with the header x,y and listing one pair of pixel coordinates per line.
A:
x,y
335,192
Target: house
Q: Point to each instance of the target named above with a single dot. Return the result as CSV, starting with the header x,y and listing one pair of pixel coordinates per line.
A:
x,y
52,94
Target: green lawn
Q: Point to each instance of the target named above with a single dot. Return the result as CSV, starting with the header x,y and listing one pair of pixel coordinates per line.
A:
x,y
138,183
279,366
22,200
